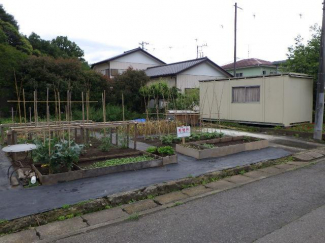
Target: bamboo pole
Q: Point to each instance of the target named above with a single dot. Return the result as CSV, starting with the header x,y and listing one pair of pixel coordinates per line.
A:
x,y
59,108
24,106
123,106
30,115
47,105
18,97
35,107
87,105
12,114
83,107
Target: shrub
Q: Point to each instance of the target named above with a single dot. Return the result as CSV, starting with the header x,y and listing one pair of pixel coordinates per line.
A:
x,y
62,156
152,150
167,150
106,144
167,139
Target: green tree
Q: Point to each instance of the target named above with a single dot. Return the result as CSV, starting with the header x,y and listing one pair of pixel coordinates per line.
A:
x,y
10,35
128,83
10,60
304,58
68,48
61,74
4,16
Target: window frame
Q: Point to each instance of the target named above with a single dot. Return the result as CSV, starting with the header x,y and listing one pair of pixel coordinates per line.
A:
x,y
246,86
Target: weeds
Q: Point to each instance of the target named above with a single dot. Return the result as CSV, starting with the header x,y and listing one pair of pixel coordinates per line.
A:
x,y
134,217
177,204
66,206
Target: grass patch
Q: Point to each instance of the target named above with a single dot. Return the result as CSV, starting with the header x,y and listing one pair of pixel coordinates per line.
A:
x,y
177,204
121,161
61,218
66,206
2,221
134,217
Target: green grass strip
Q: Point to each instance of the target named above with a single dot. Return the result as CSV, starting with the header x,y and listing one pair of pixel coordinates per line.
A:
x,y
121,161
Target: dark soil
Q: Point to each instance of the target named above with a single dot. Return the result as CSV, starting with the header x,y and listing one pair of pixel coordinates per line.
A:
x,y
45,170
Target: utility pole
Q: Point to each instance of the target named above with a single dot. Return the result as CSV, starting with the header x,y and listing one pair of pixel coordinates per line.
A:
x,y
235,42
142,45
318,129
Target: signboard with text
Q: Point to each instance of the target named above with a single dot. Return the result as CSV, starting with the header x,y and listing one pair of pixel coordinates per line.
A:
x,y
184,131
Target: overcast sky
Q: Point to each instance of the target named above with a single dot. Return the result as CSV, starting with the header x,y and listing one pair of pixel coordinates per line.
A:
x,y
104,28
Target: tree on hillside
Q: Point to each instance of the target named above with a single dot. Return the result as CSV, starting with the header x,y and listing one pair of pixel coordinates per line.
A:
x,y
10,35
40,73
10,60
4,16
67,47
304,58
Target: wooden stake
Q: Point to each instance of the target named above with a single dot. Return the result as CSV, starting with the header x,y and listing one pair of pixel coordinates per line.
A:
x,y
18,97
59,108
30,115
83,107
24,106
12,114
123,106
47,105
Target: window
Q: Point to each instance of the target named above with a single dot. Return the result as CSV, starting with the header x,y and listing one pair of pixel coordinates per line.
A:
x,y
114,72
246,94
107,72
239,74
264,72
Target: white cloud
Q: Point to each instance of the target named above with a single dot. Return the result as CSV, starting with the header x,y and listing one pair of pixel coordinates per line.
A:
x,y
107,28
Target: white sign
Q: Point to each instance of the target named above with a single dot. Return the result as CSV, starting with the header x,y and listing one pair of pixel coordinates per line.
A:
x,y
184,131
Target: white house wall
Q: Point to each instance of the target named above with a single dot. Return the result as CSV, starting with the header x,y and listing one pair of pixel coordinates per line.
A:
x,y
190,78
171,81
125,65
204,69
140,58
101,67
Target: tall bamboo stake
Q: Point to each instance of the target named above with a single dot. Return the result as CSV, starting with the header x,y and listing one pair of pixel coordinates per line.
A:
x,y
24,106
18,97
87,105
12,114
47,106
59,108
123,106
35,107
30,115
83,107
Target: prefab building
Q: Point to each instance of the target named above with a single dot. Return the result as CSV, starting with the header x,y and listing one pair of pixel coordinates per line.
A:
x,y
282,100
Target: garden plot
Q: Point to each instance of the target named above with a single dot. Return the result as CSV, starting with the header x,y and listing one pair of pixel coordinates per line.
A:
x,y
172,140
219,147
57,159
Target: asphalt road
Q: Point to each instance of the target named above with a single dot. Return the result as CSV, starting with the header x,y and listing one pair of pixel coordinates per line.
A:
x,y
285,208
20,202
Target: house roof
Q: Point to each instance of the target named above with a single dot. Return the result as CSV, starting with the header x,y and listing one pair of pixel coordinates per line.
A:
x,y
178,67
251,62
295,75
127,53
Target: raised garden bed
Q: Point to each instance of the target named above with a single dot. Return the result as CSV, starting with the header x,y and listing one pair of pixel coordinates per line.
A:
x,y
98,168
220,147
167,153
